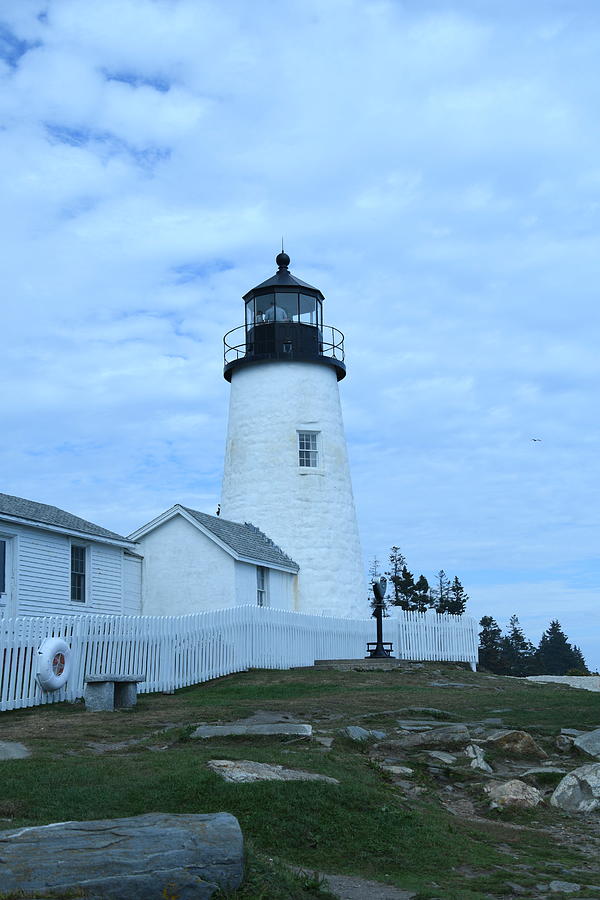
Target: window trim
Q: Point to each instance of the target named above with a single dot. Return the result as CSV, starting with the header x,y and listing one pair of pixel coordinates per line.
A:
x,y
86,572
262,586
310,450
4,559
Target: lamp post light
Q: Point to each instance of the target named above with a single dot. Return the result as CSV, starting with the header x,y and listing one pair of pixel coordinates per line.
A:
x,y
379,649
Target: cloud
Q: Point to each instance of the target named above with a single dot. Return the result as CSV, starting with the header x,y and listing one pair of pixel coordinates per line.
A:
x,y
432,168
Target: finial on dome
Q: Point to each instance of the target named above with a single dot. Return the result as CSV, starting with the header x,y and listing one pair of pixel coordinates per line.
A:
x,y
282,260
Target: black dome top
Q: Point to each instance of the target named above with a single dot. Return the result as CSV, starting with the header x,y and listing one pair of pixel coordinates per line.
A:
x,y
283,280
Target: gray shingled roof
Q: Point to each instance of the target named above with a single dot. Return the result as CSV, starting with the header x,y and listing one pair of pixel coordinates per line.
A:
x,y
41,513
245,540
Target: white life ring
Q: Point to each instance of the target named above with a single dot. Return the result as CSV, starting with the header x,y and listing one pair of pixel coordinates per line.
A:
x,y
54,663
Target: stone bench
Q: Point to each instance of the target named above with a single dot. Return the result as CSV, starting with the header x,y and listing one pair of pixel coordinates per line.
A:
x,y
109,692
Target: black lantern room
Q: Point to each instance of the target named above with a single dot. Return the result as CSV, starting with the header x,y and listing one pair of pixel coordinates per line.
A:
x,y
284,321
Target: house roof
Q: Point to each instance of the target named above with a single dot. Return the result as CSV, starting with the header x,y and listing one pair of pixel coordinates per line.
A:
x,y
244,539
53,517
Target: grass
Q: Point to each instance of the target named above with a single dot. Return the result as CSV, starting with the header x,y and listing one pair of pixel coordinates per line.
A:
x,y
365,826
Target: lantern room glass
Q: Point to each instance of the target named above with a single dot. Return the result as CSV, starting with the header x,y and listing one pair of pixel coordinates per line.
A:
x,y
284,306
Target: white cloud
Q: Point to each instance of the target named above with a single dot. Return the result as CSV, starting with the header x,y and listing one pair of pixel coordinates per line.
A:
x,y
434,171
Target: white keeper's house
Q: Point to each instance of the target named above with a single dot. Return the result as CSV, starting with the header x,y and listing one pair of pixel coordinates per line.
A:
x,y
194,562
53,562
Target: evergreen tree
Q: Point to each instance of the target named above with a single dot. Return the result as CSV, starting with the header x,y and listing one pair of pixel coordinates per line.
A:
x,y
490,645
518,654
457,598
404,590
396,563
374,573
421,599
580,664
555,655
374,569
441,592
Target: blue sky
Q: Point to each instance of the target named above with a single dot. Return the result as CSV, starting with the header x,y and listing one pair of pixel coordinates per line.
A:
x,y
434,168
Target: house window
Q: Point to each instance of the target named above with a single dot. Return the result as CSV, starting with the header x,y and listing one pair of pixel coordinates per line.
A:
x,y
261,586
2,566
308,450
78,573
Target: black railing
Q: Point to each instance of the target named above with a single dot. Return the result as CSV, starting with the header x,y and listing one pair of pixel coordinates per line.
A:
x,y
239,343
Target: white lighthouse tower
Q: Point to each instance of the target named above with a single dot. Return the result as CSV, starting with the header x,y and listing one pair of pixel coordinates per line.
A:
x,y
286,463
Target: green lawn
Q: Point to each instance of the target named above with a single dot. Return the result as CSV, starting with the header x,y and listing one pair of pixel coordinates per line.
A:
x,y
365,826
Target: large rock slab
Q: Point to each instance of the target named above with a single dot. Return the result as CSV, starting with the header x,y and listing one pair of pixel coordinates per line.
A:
x,y
517,743
283,728
147,857
588,743
13,750
579,791
246,771
513,793
446,736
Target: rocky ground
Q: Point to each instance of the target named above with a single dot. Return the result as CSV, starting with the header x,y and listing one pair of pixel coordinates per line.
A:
x,y
515,766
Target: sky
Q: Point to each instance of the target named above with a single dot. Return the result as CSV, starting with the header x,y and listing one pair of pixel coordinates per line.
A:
x,y
434,169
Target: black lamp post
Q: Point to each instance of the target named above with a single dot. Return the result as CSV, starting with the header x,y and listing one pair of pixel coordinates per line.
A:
x,y
379,650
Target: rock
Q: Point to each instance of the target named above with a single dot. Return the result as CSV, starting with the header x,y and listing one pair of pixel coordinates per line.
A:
x,y
210,731
13,750
517,743
572,732
589,743
543,770
564,887
454,684
563,743
476,755
245,771
404,771
356,733
147,857
446,736
447,758
513,793
378,735
427,711
324,741
416,725
516,888
579,791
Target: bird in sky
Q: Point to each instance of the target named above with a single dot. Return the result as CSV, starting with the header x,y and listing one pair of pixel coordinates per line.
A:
x,y
536,439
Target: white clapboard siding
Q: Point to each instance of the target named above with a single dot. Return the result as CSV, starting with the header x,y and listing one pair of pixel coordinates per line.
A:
x,y
175,651
132,585
44,575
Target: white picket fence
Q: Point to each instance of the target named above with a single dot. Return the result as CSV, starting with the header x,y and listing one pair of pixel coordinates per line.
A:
x,y
176,651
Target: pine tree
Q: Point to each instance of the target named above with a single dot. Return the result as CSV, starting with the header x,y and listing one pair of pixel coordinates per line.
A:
x,y
518,654
441,592
457,598
555,655
421,599
580,665
490,645
404,590
394,573
374,573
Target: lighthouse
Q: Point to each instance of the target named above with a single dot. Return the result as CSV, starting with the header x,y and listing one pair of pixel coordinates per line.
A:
x,y
286,463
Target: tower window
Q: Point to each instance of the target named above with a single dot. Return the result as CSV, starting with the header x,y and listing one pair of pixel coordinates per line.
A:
x,y
261,586
308,449
78,573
